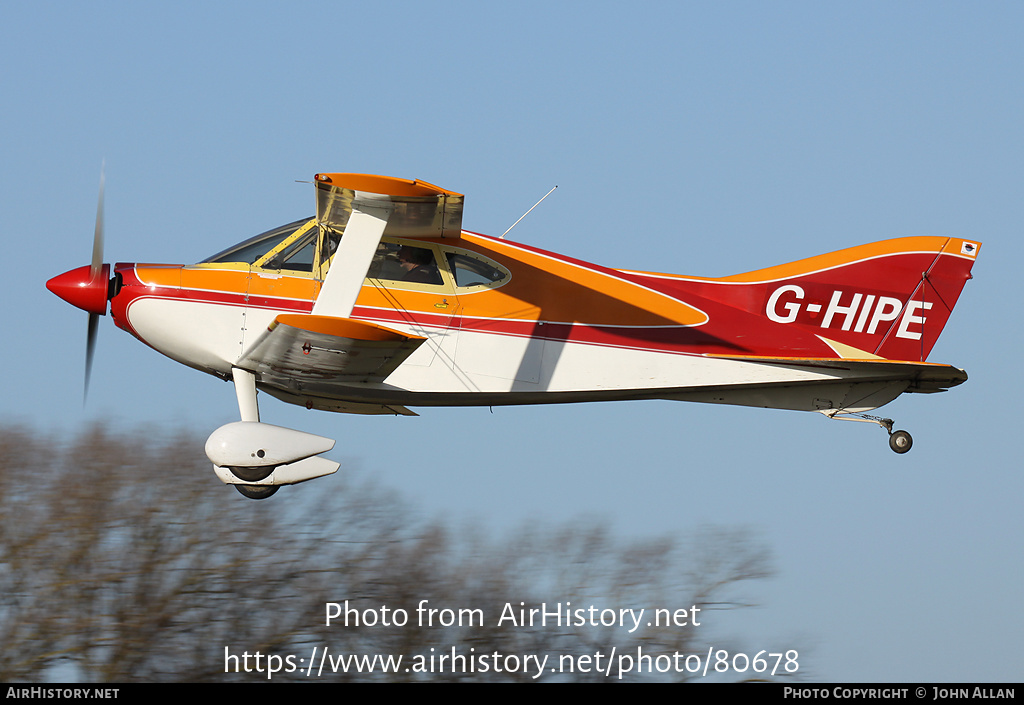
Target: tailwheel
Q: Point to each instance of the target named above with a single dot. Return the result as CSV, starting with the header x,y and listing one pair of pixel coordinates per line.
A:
x,y
257,491
900,441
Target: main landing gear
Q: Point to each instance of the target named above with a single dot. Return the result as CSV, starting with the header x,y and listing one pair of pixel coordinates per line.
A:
x,y
257,458
899,441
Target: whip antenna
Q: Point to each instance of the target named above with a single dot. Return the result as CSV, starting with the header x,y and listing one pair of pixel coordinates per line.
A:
x,y
527,212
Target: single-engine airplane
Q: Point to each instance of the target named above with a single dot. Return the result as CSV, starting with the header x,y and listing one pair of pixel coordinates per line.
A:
x,y
383,302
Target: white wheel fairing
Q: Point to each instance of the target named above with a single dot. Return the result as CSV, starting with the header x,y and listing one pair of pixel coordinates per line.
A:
x,y
254,444
291,474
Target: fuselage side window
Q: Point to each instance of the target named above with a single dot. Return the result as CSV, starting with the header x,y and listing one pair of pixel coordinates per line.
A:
x,y
472,270
396,264
401,262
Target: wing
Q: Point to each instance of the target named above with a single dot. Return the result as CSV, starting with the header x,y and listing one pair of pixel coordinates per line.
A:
x,y
300,352
361,209
420,209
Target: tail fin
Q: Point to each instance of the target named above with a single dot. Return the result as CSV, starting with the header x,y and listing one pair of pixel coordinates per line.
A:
x,y
917,327
889,299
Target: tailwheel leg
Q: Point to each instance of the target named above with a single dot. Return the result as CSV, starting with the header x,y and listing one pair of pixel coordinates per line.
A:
x,y
899,441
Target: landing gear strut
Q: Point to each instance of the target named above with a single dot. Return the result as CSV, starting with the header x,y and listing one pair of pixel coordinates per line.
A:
x,y
899,441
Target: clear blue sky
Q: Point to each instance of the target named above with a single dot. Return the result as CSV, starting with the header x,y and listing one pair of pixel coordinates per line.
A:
x,y
700,138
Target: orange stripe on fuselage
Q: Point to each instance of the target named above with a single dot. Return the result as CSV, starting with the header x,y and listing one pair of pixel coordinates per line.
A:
x,y
543,287
839,258
547,287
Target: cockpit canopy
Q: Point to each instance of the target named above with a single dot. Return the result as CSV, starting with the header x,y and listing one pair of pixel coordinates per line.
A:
x,y
298,255
293,247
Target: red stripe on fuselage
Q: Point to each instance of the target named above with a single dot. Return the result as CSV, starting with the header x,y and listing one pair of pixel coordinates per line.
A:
x,y
729,331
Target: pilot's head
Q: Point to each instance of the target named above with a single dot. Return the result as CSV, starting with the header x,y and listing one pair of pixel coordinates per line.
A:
x,y
415,256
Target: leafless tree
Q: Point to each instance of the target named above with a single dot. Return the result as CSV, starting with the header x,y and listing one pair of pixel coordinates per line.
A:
x,y
119,561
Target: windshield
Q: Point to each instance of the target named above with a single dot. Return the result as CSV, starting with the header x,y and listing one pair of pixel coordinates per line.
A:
x,y
252,249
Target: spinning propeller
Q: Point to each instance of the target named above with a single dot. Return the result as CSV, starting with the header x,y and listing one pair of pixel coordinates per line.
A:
x,y
88,288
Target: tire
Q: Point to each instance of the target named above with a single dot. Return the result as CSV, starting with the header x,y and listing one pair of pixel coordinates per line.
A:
x,y
900,441
250,474
257,491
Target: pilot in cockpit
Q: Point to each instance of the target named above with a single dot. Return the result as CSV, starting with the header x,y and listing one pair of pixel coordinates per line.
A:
x,y
419,265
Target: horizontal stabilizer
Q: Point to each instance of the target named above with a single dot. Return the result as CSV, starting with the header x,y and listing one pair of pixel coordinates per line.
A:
x,y
923,377
300,347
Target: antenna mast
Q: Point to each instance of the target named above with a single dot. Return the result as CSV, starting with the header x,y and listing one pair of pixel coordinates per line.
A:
x,y
527,213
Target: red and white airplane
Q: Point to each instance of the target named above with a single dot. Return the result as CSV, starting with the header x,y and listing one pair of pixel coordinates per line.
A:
x,y
383,302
